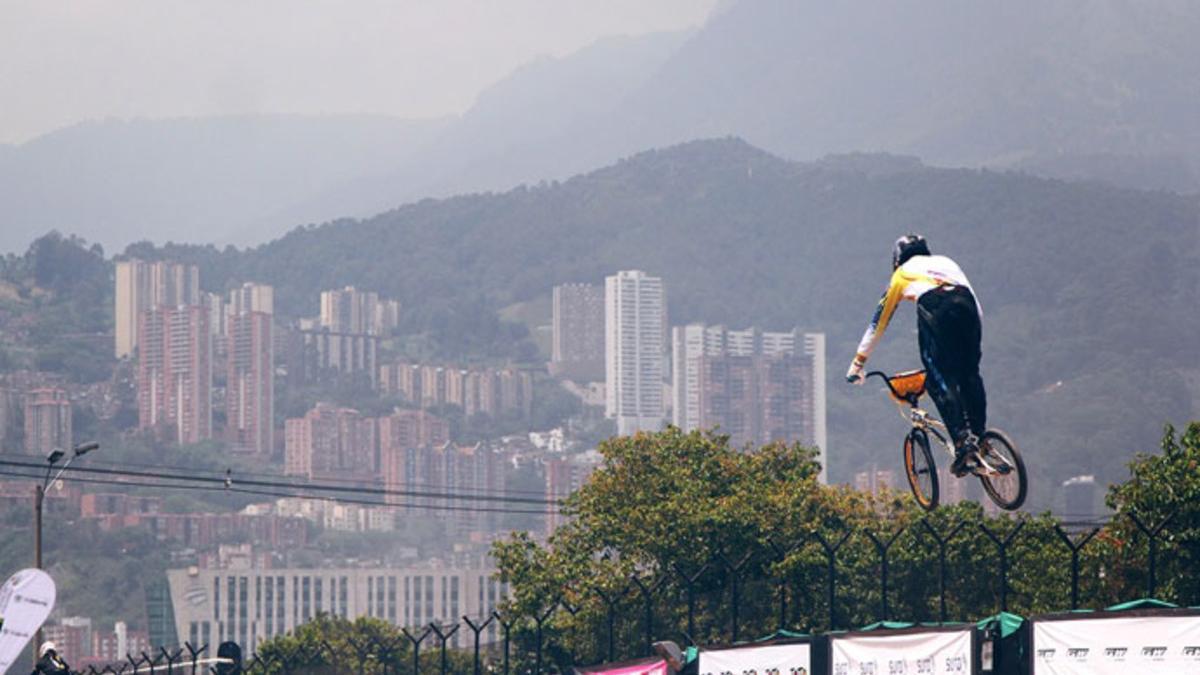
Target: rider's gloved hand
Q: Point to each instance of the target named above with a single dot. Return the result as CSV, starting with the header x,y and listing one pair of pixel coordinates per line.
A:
x,y
855,374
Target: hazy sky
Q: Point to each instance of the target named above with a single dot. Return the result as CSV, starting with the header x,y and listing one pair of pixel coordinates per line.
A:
x,y
64,61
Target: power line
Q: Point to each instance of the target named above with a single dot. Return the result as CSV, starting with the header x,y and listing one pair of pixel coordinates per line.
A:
x,y
268,493
346,481
315,487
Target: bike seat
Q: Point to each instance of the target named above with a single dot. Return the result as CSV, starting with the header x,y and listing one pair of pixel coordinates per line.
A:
x,y
908,384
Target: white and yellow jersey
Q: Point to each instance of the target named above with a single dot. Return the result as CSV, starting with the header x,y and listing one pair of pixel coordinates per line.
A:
x,y
917,276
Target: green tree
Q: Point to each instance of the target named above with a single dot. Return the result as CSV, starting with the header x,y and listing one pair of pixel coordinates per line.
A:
x,y
1162,486
331,645
689,516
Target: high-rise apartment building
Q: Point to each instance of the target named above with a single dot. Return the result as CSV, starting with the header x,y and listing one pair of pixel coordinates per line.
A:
x,y
490,391
577,347
459,472
144,285
331,442
688,345
876,481
403,379
174,380
410,429
756,387
635,311
252,297
250,382
350,310
10,420
320,355
466,471
47,421
217,316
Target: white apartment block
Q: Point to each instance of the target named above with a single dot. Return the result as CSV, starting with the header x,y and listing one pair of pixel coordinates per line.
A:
x,y
250,606
358,312
635,314
144,285
252,297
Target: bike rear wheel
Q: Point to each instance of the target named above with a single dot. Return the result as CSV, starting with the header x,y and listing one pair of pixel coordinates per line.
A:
x,y
1006,483
920,469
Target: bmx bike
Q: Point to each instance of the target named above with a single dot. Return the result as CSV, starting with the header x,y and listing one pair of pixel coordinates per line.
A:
x,y
994,459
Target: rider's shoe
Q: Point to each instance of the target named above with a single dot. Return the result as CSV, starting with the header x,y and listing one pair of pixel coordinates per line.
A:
x,y
964,458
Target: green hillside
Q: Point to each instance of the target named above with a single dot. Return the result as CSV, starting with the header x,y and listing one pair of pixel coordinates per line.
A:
x,y
1089,292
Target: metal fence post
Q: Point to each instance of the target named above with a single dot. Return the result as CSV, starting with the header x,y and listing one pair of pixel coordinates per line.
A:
x,y
689,583
1152,535
1002,545
416,645
882,547
1075,547
610,605
941,542
735,587
831,554
648,596
539,620
477,629
362,651
781,554
194,653
507,626
442,637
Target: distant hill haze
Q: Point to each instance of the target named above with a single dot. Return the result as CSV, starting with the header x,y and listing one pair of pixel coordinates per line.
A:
x,y
1089,345
1098,89
227,180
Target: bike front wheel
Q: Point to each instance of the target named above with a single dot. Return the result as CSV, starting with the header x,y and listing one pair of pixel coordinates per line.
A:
x,y
1002,471
920,470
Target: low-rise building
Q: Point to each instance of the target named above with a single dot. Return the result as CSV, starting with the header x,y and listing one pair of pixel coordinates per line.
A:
x,y
249,606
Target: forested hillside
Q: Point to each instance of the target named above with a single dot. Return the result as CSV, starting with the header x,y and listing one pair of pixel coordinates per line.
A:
x,y
1088,291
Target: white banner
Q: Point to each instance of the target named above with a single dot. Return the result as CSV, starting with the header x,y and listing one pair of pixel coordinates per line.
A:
x,y
932,653
1163,645
25,601
786,659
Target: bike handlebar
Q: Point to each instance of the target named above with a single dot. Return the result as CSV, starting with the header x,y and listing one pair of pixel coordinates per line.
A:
x,y
886,380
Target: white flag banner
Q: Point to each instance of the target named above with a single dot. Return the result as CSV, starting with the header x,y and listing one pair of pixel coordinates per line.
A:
x,y
25,601
794,658
923,653
1163,645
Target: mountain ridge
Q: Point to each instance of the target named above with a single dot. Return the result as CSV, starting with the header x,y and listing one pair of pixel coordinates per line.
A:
x,y
1048,86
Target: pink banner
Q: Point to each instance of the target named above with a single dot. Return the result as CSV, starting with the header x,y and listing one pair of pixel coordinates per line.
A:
x,y
648,667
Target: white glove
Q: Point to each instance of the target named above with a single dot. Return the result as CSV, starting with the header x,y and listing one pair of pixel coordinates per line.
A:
x,y
855,374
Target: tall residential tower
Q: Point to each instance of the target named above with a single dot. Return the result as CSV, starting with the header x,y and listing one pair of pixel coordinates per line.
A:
x,y
577,348
635,315
145,285
174,379
757,387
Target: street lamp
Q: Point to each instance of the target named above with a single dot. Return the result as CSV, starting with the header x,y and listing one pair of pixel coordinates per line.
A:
x,y
39,496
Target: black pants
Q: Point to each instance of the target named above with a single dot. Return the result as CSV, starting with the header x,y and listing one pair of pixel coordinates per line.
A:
x,y
949,334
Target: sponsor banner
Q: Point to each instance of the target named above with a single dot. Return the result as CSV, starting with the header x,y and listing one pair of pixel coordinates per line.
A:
x,y
909,653
1163,645
25,601
644,667
793,658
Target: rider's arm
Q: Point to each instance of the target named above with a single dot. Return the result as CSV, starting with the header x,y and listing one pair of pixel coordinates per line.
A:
x,y
883,315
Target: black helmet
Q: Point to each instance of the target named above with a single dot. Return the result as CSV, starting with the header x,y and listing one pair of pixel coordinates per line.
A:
x,y
908,246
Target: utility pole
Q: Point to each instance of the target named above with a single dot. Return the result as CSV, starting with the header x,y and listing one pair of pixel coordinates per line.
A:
x,y
39,501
